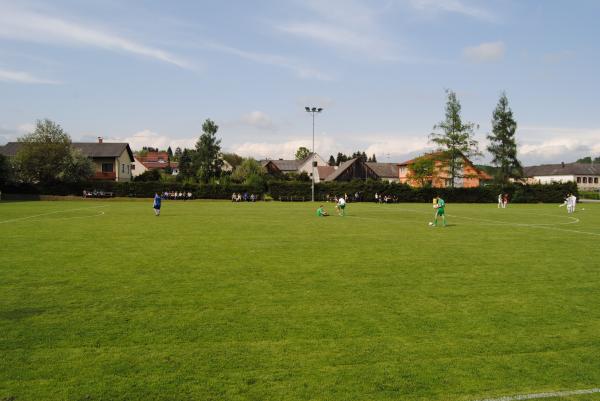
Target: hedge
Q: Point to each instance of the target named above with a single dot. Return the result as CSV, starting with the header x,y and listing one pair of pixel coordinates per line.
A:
x,y
294,190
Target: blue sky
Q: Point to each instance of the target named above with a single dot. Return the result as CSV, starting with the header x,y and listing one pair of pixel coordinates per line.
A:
x,y
150,72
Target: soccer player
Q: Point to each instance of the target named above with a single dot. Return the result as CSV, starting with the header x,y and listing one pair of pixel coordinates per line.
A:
x,y
499,201
321,212
156,205
572,203
440,211
341,206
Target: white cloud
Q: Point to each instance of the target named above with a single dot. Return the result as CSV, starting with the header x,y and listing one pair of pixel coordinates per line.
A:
x,y
347,26
301,70
147,137
485,52
26,25
452,6
397,149
556,144
285,150
23,77
257,119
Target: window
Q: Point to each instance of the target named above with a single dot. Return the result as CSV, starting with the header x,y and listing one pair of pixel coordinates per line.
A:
x,y
579,180
595,180
107,167
585,180
122,168
590,180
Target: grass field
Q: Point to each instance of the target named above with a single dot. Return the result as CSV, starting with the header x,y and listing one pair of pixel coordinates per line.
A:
x,y
101,300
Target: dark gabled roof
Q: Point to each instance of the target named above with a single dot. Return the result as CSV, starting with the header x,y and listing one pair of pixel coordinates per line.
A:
x,y
562,169
105,149
341,168
89,149
287,165
384,170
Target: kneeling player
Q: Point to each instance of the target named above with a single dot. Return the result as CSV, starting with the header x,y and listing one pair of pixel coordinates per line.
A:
x,y
321,212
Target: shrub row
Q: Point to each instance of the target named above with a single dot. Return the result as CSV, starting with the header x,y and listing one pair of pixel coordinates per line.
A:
x,y
293,190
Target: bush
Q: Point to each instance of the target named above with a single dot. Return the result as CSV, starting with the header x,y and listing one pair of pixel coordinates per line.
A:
x,y
295,190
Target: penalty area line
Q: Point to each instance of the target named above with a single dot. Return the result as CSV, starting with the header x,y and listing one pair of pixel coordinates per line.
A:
x,y
552,394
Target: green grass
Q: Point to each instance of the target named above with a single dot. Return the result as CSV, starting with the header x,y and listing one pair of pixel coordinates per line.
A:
x,y
101,300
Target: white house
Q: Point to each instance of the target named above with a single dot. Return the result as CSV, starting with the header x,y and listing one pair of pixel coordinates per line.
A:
x,y
586,175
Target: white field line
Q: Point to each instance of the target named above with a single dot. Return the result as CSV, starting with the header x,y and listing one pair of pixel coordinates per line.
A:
x,y
552,394
49,213
498,222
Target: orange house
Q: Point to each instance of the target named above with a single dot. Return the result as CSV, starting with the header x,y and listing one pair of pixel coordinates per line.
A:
x,y
471,176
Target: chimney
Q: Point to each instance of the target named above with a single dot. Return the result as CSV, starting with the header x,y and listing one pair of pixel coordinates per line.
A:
x,y
562,164
100,139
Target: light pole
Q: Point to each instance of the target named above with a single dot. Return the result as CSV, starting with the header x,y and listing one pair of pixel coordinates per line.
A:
x,y
313,110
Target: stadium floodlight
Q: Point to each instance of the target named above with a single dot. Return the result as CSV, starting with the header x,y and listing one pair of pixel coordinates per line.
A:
x,y
313,110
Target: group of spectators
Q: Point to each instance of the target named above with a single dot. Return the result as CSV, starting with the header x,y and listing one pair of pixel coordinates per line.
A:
x,y
174,195
384,198
245,197
97,194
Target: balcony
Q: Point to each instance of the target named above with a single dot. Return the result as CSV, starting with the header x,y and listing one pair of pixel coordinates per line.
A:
x,y
99,175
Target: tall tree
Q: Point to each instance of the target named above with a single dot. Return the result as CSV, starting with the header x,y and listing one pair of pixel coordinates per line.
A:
x,y
44,154
302,153
170,153
331,161
373,158
455,139
208,149
186,165
503,146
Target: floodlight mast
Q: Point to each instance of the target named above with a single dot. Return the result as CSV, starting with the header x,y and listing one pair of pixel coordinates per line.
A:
x,y
313,110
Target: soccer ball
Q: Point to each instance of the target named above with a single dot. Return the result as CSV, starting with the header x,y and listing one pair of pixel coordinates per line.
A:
x,y
430,223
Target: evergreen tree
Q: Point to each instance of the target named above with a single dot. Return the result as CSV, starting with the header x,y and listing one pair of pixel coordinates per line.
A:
x,y
177,154
186,166
208,148
331,160
503,146
373,158
341,158
456,139
170,153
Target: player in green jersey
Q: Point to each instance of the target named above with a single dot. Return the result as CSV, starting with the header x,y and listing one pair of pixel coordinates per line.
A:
x,y
440,211
321,212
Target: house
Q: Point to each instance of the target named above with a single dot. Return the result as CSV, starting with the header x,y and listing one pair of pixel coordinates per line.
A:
x,y
470,176
586,175
282,166
386,171
112,161
353,169
322,172
154,161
